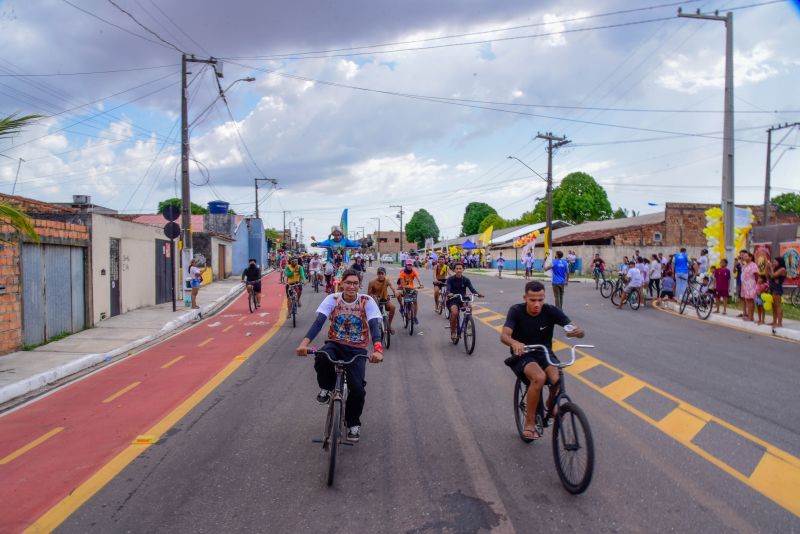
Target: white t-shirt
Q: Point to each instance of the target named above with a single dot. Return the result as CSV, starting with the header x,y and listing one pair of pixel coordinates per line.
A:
x,y
329,269
195,273
313,265
703,262
635,276
529,261
655,270
642,268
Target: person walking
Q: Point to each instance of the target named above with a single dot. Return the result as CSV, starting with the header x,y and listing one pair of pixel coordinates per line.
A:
x,y
196,280
571,260
560,269
501,262
777,275
655,276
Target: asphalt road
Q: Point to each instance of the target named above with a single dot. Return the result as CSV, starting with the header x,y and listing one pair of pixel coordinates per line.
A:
x,y
439,450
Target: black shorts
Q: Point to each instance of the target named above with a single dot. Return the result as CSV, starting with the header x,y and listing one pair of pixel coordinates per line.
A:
x,y
518,363
256,286
667,295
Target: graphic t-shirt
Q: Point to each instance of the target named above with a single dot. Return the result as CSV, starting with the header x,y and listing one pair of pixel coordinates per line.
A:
x,y
534,329
560,272
349,320
294,274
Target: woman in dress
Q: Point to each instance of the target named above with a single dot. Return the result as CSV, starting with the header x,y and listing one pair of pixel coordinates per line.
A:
x,y
749,284
777,274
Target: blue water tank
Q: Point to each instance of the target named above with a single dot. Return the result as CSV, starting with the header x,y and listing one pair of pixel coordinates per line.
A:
x,y
218,207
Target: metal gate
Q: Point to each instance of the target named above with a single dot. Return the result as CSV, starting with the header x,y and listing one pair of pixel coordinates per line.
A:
x,y
113,271
163,271
52,291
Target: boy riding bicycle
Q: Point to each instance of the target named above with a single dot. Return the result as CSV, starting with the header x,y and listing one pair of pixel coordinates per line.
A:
x,y
531,323
252,274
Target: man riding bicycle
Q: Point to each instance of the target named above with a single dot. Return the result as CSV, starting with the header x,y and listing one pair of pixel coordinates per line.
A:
x,y
531,323
295,276
457,285
635,281
315,268
252,274
599,267
405,282
440,272
378,289
353,317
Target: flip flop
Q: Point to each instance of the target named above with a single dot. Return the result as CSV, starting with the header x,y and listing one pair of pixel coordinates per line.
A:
x,y
530,435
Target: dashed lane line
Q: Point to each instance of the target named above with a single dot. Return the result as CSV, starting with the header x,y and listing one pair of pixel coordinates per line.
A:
x,y
172,362
38,441
120,393
227,328
776,474
206,342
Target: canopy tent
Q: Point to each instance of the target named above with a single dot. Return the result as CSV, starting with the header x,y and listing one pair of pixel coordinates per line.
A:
x,y
469,245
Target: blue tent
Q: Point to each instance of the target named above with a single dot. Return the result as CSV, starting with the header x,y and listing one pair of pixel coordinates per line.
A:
x,y
469,245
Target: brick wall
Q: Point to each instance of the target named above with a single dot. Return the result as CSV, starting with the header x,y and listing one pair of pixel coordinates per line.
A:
x,y
390,242
57,232
641,237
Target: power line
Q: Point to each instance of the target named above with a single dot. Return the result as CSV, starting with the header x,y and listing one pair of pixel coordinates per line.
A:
x,y
111,71
198,45
145,28
115,25
288,55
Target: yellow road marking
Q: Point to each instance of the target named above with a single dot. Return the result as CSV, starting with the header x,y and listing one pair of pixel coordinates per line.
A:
x,y
492,318
206,342
240,319
777,475
64,508
172,362
121,392
38,441
227,328
479,311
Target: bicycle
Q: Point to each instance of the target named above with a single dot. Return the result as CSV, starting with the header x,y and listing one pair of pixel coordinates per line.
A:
x,y
597,277
293,298
409,298
794,297
572,435
386,333
316,281
633,297
608,287
251,297
442,304
335,420
702,301
467,323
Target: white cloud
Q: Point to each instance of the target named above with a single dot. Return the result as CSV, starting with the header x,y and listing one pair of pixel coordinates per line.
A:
x,y
707,69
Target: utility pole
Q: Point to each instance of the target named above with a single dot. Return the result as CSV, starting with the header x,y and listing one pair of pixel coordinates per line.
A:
x,y
274,183
553,143
769,165
379,237
401,224
284,228
301,232
728,205
186,207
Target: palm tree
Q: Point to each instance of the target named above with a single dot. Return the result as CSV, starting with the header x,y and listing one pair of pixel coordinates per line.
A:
x,y
10,126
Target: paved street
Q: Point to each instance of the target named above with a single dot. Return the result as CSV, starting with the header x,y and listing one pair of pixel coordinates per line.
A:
x,y
439,450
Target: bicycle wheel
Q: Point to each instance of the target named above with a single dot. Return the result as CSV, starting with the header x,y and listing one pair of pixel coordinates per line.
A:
x,y
684,301
616,296
411,321
251,301
469,335
573,448
440,305
294,314
633,300
336,427
704,305
387,334
405,317
520,407
606,288
794,299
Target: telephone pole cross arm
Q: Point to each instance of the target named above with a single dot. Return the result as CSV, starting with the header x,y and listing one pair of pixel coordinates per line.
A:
x,y
553,143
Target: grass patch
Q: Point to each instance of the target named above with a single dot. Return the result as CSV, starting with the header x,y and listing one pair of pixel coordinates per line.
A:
x,y
789,311
56,337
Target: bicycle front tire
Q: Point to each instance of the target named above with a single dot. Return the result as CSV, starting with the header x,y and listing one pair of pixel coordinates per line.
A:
x,y
684,301
333,447
294,314
606,288
411,322
704,305
520,407
616,296
469,335
633,300
794,298
573,448
387,334
251,301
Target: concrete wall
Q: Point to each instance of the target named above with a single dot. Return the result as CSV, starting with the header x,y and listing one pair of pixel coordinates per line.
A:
x,y
137,264
214,261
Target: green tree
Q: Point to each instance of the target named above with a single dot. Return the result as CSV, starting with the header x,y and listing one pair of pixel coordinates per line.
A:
x,y
473,215
495,220
788,203
272,234
620,213
9,127
420,227
197,209
579,198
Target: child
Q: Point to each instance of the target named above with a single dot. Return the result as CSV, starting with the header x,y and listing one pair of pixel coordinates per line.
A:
x,y
761,287
667,290
722,284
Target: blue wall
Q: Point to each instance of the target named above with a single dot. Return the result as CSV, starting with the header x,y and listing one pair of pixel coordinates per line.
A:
x,y
240,249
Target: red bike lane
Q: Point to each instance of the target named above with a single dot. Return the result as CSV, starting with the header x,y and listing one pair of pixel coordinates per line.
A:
x,y
55,444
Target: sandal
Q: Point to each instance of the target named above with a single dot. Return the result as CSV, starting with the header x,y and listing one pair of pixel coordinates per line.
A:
x,y
530,435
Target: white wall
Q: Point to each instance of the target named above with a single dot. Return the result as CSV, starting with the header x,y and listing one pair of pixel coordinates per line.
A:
x,y
137,264
215,242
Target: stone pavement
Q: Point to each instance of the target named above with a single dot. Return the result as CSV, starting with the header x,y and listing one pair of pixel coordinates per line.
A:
x,y
24,373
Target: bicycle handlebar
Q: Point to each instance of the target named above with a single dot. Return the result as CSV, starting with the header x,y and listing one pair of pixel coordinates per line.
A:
x,y
531,348
316,352
463,298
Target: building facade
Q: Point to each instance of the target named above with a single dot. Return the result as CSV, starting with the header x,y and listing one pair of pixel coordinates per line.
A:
x,y
388,242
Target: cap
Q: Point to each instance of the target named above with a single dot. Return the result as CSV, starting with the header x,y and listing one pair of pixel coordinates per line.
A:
x,y
409,262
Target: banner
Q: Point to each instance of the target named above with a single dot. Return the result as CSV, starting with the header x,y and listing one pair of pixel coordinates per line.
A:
x,y
343,223
763,254
429,244
791,255
486,236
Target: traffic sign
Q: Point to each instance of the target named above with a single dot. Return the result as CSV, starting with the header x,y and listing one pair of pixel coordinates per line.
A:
x,y
172,230
171,212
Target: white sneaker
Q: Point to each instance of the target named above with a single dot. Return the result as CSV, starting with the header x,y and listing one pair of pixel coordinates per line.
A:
x,y
323,396
354,433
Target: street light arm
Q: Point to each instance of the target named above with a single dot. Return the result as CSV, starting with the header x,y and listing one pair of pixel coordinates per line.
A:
x,y
528,166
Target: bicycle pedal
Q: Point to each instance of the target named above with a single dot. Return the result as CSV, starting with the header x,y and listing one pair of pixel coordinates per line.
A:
x,y
317,441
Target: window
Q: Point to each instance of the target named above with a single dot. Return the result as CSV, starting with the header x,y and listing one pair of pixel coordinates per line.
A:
x,y
396,239
657,236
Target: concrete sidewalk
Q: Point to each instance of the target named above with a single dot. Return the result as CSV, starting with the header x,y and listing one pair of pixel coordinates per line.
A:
x,y
790,329
25,372
537,275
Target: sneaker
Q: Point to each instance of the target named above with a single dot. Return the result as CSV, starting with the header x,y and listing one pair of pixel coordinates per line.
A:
x,y
416,321
323,396
354,433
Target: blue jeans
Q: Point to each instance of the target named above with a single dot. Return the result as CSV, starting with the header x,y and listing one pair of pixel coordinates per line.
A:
x,y
681,281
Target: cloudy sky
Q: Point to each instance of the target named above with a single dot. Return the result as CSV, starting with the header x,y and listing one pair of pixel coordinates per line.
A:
x,y
365,104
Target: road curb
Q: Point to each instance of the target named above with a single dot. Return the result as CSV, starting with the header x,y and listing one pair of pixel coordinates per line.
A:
x,y
734,323
32,383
